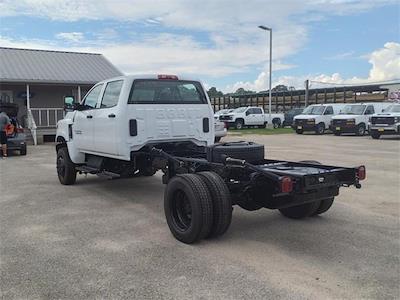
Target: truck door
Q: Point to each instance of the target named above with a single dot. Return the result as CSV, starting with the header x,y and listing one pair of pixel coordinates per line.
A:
x,y
258,116
106,119
83,127
327,116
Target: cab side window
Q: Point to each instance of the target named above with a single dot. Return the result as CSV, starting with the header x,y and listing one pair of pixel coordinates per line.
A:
x,y
249,112
91,98
370,110
111,94
257,111
329,111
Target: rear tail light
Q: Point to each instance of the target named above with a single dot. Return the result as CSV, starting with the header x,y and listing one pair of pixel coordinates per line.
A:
x,y
286,184
163,76
361,173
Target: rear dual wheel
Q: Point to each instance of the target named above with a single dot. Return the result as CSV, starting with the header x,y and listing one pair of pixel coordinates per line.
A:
x,y
308,209
197,206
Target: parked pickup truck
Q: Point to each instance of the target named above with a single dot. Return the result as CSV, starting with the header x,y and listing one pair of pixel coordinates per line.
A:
x,y
251,116
133,126
385,123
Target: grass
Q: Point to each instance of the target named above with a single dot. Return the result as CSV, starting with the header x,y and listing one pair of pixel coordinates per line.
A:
x,y
263,131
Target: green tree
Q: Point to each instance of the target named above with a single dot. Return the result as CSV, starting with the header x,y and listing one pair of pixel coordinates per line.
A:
x,y
213,92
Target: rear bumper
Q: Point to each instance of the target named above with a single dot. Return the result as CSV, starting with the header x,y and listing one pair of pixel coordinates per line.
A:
x,y
15,144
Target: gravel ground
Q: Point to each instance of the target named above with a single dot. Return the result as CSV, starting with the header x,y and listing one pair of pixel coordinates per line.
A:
x,y
109,238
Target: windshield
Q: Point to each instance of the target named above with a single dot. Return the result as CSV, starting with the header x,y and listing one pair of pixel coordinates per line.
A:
x,y
152,91
240,109
314,110
352,110
393,108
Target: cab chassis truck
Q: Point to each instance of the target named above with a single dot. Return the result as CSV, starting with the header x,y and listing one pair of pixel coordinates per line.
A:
x,y
203,180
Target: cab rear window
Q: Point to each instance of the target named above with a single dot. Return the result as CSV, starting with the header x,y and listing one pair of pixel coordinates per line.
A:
x,y
166,92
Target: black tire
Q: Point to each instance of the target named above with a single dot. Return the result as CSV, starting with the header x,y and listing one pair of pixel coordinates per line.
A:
x,y
22,151
324,206
65,167
337,133
188,208
221,202
276,123
299,131
300,211
320,129
249,151
239,124
360,130
375,134
217,139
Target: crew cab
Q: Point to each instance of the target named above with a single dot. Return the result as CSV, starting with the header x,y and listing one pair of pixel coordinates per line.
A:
x,y
251,116
133,126
316,118
386,122
354,118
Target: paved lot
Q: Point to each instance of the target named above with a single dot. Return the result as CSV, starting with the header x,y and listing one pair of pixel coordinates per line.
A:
x,y
109,239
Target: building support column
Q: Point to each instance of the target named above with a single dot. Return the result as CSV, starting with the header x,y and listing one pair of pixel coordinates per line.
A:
x,y
28,98
79,93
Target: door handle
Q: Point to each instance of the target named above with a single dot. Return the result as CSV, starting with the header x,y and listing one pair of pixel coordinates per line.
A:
x,y
111,116
89,116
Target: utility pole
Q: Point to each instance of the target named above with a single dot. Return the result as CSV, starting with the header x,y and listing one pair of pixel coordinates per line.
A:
x,y
270,73
306,83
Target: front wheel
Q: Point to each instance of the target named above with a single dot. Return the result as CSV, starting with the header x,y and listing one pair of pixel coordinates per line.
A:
x,y
360,130
65,167
299,131
375,134
217,139
276,123
239,124
320,128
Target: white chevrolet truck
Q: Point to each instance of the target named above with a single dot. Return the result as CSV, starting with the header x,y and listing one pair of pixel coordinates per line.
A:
x,y
386,122
133,126
251,116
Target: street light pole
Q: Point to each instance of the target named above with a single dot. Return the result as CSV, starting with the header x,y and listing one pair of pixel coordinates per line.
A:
x,y
270,71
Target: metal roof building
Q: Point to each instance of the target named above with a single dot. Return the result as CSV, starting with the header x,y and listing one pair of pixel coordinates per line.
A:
x,y
38,81
43,66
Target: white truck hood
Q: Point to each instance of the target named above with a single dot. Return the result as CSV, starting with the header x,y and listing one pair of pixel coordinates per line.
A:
x,y
302,117
345,117
393,114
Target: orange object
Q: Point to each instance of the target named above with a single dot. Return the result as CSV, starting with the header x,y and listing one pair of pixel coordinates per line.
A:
x,y
9,129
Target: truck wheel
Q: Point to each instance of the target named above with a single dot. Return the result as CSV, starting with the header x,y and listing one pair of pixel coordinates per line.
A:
x,y
239,124
337,133
65,167
375,134
221,202
320,128
217,139
300,211
188,208
299,131
276,123
360,131
22,151
324,206
248,151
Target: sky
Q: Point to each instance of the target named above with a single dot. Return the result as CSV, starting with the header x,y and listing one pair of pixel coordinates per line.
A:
x,y
325,41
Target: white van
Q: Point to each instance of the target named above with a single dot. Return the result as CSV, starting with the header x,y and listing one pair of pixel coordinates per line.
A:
x,y
316,117
354,118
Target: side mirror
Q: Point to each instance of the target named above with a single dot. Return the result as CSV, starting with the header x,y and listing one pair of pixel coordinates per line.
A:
x,y
69,103
247,113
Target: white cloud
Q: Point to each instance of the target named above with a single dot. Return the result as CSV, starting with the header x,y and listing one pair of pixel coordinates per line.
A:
x,y
73,37
385,67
